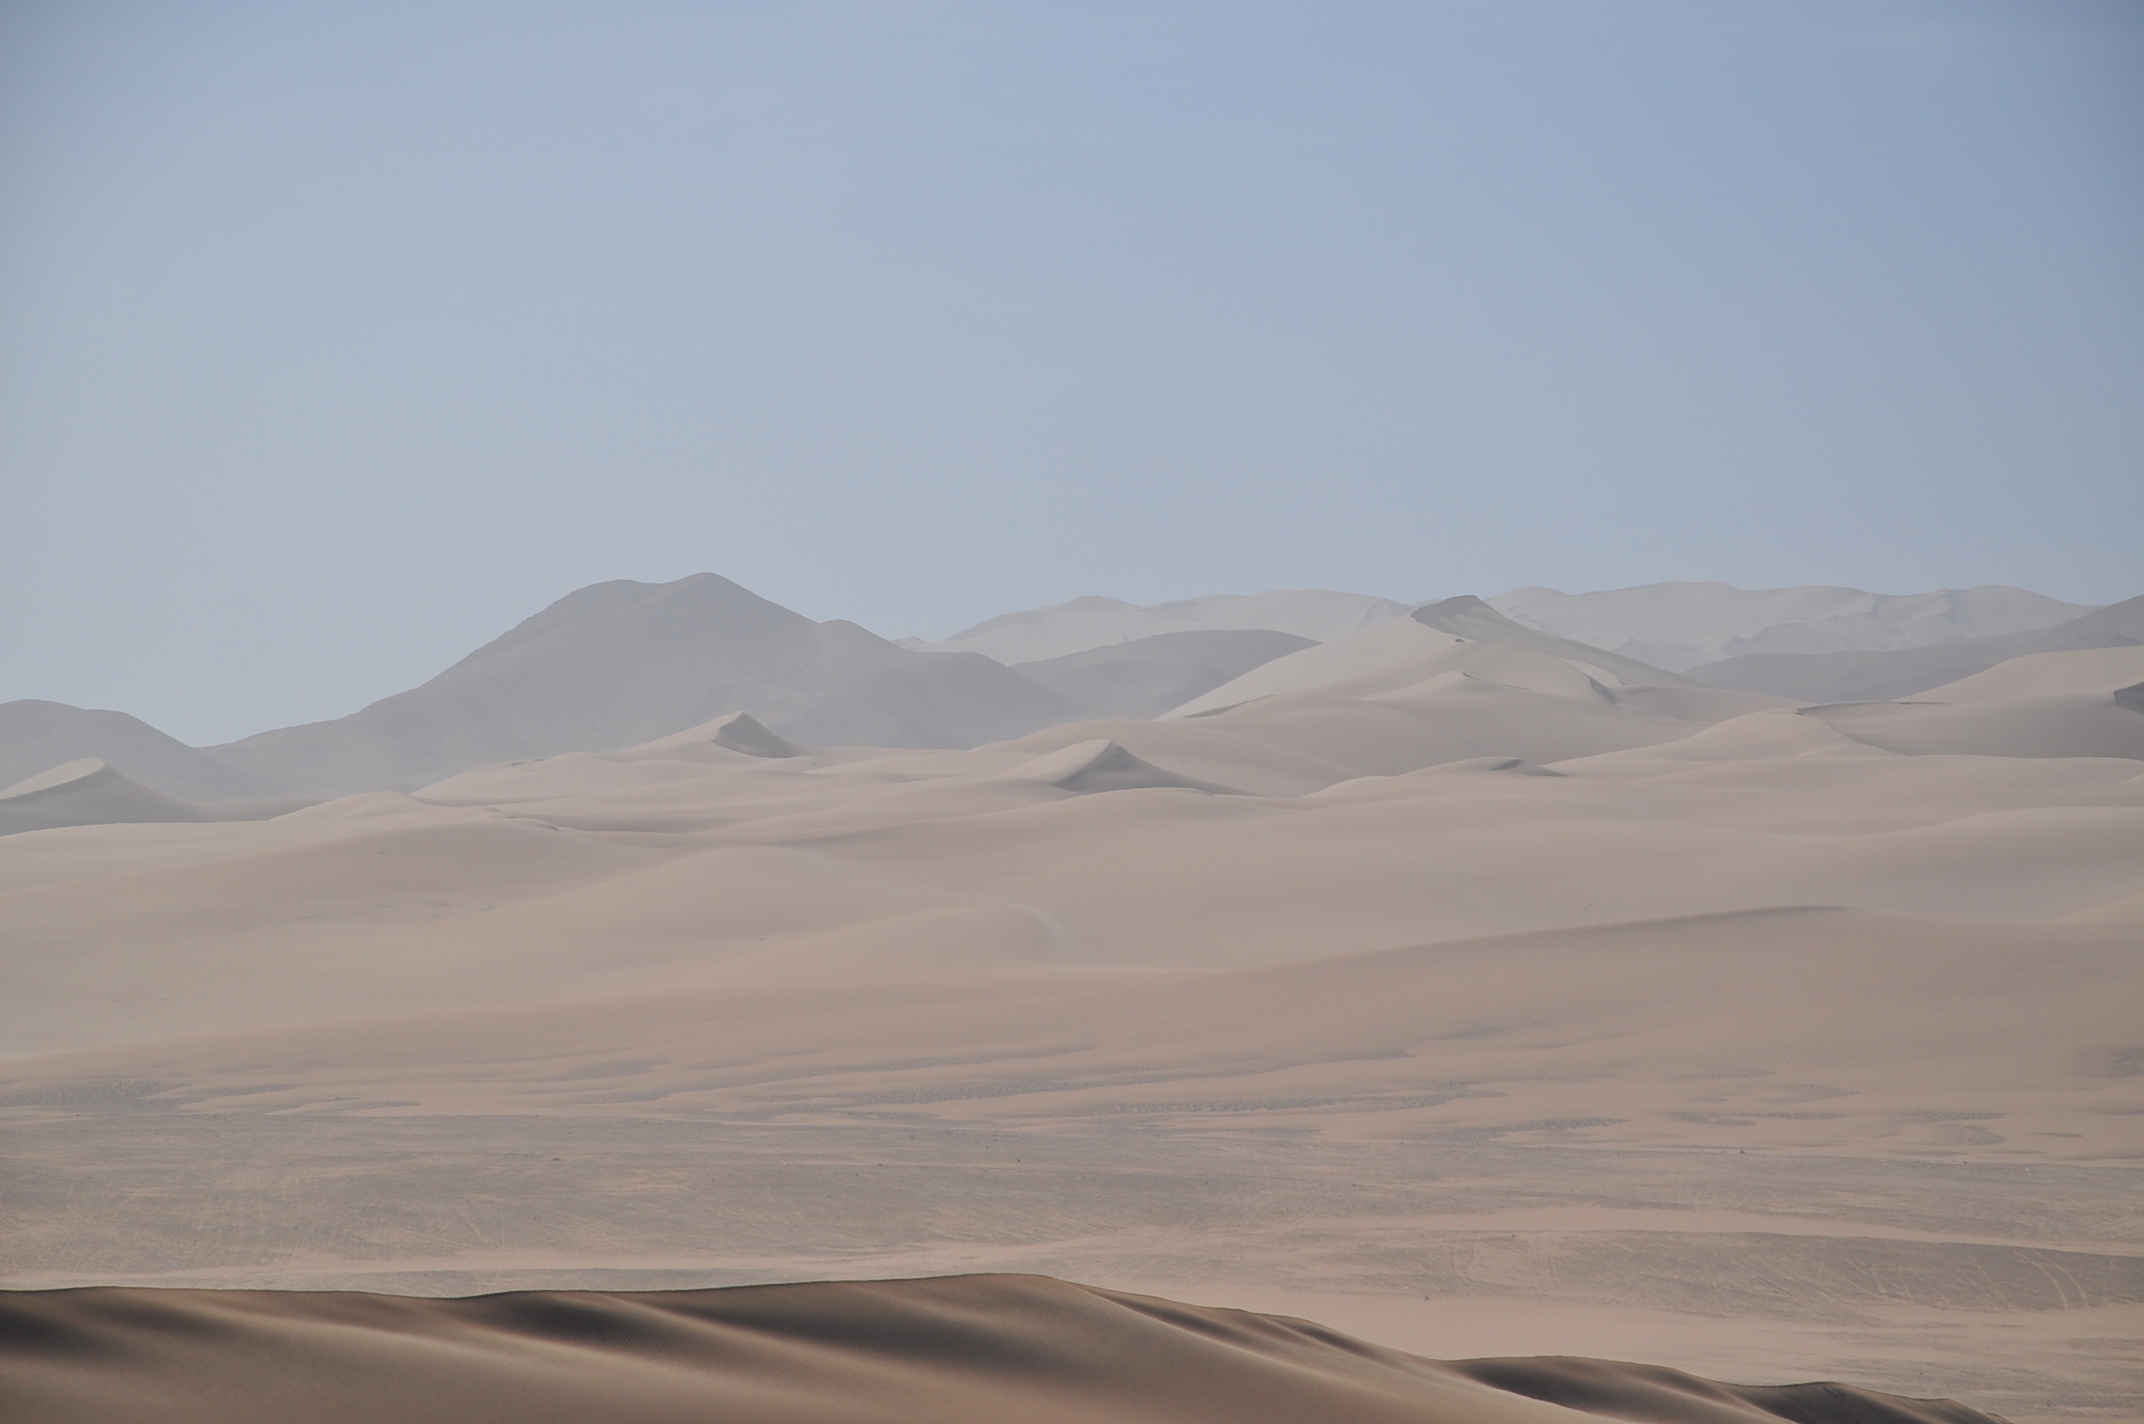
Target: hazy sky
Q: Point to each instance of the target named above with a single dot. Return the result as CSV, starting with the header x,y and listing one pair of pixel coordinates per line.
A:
x,y
336,339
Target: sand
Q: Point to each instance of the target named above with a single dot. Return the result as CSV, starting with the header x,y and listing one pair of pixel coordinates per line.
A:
x,y
1681,626
933,1352
1040,634
1853,675
1460,997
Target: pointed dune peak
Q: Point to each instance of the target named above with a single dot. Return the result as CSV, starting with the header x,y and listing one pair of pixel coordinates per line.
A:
x,y
1399,657
1102,765
727,737
73,773
1469,617
741,733
85,792
38,735
619,665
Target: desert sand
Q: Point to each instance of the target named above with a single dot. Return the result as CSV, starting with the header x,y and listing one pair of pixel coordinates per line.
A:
x,y
1476,998
1680,626
932,1352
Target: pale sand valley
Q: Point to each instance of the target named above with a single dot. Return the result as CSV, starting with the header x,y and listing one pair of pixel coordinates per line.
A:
x,y
1745,985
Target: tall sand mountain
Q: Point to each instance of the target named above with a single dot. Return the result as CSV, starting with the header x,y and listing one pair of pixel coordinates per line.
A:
x,y
1148,676
620,663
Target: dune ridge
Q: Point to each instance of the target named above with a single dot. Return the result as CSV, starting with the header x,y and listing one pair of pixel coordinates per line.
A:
x,y
941,1351
1681,626
1866,676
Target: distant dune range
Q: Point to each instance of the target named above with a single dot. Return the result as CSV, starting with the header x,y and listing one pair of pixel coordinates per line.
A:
x,y
617,664
1853,676
1681,626
1461,985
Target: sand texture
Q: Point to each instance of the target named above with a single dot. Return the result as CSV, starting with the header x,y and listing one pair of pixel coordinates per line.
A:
x,y
981,1348
1469,999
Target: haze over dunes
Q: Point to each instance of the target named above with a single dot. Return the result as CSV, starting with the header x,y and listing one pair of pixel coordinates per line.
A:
x,y
1682,625
620,663
966,712
1460,985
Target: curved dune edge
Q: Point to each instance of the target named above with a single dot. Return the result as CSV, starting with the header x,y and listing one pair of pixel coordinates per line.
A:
x,y
945,1350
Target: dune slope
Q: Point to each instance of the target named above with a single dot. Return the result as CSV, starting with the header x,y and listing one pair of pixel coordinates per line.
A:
x,y
37,736
1856,675
1148,676
980,1348
1681,625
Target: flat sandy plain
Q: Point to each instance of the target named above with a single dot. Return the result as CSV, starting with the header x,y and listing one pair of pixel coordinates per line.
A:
x,y
1696,1028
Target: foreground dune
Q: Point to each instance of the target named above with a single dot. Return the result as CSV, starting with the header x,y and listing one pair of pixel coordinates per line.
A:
x,y
981,1348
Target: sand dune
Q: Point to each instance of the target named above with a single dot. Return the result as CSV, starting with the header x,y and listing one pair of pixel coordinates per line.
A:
x,y
1148,676
1101,765
1461,995
90,793
2100,670
620,663
84,793
38,736
1682,625
967,1348
1907,672
1036,634
2075,704
1459,635
1470,617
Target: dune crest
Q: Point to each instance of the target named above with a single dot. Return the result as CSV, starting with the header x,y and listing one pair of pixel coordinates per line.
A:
x,y
934,1351
1101,765
85,793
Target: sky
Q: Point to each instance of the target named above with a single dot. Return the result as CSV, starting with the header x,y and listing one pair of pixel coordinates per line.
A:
x,y
335,340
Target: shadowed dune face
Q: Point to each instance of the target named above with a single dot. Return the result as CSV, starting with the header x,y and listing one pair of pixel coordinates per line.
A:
x,y
974,1348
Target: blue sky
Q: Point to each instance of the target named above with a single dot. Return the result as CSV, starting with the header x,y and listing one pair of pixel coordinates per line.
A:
x,y
334,340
